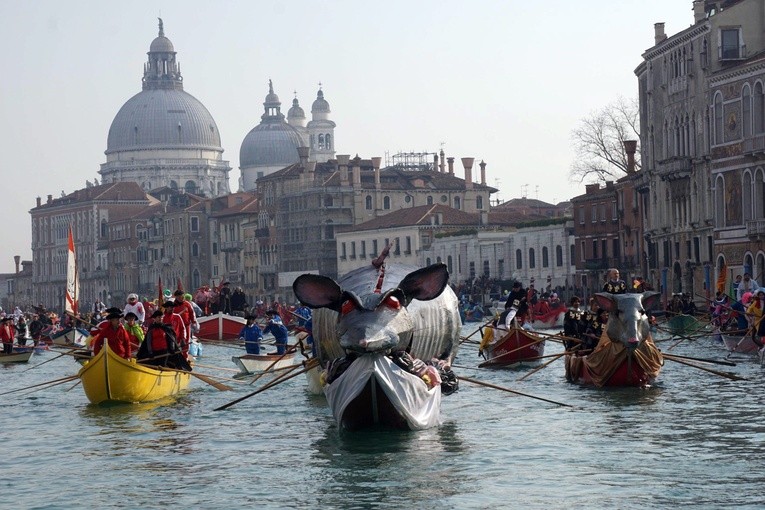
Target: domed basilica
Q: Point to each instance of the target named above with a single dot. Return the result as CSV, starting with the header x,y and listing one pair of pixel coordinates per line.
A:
x,y
163,136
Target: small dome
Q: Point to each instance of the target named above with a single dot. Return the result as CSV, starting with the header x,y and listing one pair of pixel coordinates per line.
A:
x,y
270,144
296,112
162,118
321,104
161,44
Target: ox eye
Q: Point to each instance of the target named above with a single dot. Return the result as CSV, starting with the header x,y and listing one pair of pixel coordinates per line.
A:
x,y
348,307
392,302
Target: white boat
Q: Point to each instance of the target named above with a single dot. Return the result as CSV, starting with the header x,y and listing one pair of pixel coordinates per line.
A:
x,y
375,391
258,363
77,337
17,357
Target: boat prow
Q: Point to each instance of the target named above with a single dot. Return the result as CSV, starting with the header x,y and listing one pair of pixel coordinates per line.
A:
x,y
110,378
220,327
16,357
516,347
611,364
249,364
374,391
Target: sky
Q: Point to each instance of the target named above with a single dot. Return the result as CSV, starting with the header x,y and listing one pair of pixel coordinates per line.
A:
x,y
504,81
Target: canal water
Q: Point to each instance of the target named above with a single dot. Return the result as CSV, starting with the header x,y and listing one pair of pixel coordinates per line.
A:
x,y
692,439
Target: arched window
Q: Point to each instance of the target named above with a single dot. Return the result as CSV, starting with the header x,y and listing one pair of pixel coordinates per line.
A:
x,y
190,187
329,230
321,142
486,268
746,197
327,144
457,203
386,202
196,281
194,249
532,259
449,264
430,200
678,146
518,259
559,256
719,201
328,200
718,116
758,109
479,202
545,257
759,193
104,230
746,108
173,185
427,262
368,202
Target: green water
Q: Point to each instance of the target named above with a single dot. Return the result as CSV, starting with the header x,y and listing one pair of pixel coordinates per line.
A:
x,y
692,439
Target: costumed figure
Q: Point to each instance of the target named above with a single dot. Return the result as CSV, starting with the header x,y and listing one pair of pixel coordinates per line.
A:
x,y
251,335
276,327
112,332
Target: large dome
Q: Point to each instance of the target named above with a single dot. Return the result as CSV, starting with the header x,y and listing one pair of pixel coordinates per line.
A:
x,y
270,144
162,119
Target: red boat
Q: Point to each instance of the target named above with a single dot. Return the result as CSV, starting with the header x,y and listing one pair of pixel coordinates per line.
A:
x,y
220,327
516,346
549,320
612,364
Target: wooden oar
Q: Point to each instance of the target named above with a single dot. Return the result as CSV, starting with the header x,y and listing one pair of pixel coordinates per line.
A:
x,y
70,388
53,382
52,359
501,388
706,360
201,377
467,338
308,366
269,367
727,375
225,369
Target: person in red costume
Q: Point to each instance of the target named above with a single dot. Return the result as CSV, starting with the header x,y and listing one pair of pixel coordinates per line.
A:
x,y
160,348
186,311
175,321
7,334
112,332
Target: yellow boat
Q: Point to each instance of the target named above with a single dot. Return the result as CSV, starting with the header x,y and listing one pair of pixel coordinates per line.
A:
x,y
111,378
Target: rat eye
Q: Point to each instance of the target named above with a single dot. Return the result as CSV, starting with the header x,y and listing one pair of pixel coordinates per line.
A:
x,y
392,302
347,307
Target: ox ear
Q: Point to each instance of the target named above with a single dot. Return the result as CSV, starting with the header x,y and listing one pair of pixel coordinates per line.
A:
x,y
426,283
606,301
650,300
317,291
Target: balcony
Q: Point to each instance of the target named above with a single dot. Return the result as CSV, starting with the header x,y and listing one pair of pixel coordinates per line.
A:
x,y
231,246
755,229
755,145
677,167
603,263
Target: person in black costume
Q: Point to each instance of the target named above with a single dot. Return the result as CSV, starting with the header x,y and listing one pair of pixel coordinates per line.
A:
x,y
613,284
574,324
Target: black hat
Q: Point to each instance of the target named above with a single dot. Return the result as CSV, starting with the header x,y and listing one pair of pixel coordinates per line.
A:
x,y
113,309
249,317
114,315
178,292
168,304
130,315
226,283
157,313
6,318
516,284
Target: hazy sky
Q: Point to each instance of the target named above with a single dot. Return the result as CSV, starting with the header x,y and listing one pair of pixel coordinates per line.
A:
x,y
504,81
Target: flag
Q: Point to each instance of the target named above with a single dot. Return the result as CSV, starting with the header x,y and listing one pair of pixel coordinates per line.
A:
x,y
160,297
72,282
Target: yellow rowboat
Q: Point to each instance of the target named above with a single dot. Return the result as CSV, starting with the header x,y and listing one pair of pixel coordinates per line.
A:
x,y
110,378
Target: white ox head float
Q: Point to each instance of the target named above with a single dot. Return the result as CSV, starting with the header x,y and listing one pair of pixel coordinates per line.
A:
x,y
628,321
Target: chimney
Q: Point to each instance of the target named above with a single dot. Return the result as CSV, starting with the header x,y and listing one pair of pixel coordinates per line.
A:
x,y
441,166
303,153
39,201
342,161
630,147
658,33
482,164
376,166
16,260
591,188
484,218
50,198
356,175
435,162
451,165
468,164
310,167
699,14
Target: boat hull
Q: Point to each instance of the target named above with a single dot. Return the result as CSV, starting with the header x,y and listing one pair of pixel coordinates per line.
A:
x,y
110,378
375,392
626,374
220,327
257,363
550,320
612,364
16,357
70,337
518,346
739,344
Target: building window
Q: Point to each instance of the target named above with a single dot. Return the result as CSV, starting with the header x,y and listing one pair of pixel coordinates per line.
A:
x,y
457,203
594,248
718,116
215,248
472,270
730,44
518,259
479,202
559,255
353,249
194,224
719,202
594,209
408,250
363,249
758,109
194,249
327,142
573,253
613,210
581,215
430,200
532,259
374,247
746,108
746,197
342,251
448,263
328,201
486,271
501,269
386,202
368,202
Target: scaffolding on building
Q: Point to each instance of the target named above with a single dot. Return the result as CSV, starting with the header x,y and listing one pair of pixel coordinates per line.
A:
x,y
411,160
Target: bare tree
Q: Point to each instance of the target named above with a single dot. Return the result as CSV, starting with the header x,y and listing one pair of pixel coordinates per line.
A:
x,y
598,141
